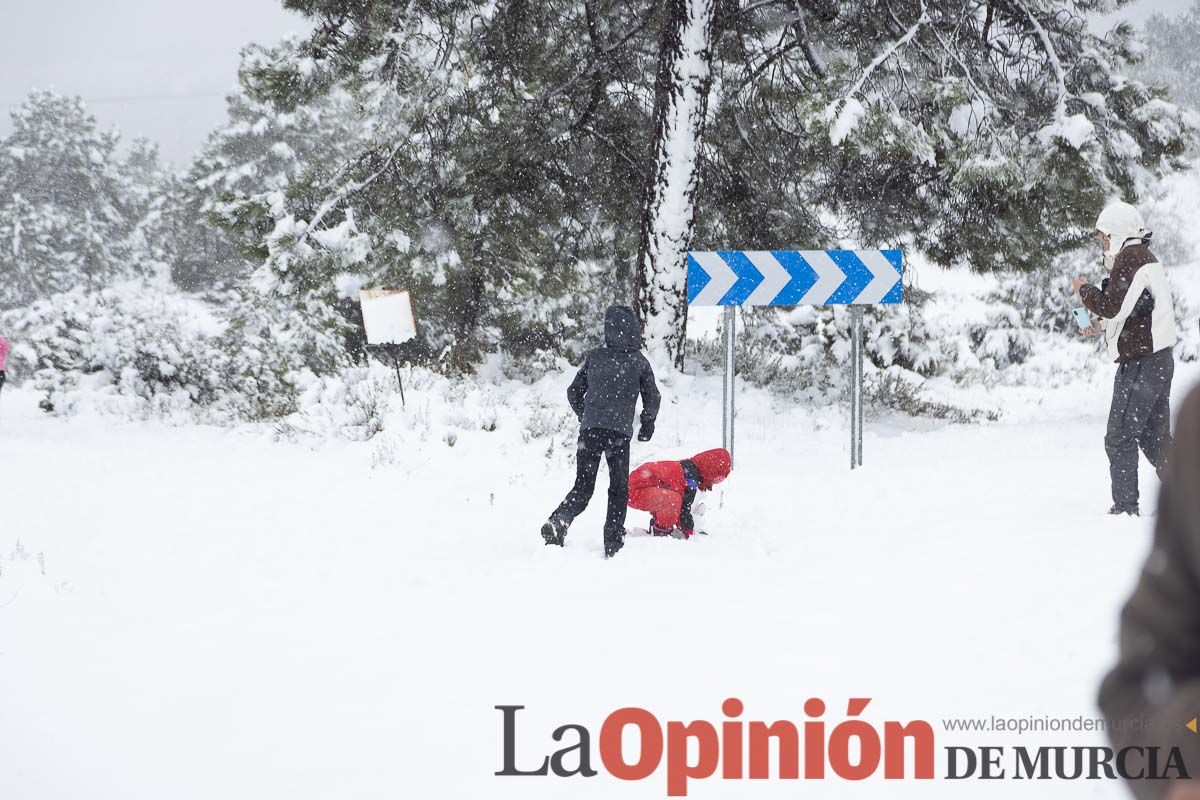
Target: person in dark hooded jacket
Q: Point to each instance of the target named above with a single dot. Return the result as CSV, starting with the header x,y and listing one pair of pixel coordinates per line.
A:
x,y
604,396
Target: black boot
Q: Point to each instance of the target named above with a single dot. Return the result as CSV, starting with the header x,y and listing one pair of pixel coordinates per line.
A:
x,y
554,531
1117,510
612,544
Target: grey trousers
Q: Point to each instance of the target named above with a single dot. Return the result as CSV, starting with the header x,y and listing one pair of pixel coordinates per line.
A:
x,y
1140,417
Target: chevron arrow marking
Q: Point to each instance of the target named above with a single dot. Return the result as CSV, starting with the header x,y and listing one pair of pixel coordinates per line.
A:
x,y
720,278
857,277
829,277
775,277
697,278
801,277
886,276
748,276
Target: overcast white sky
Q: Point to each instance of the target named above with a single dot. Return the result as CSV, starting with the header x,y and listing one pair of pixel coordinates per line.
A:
x,y
178,57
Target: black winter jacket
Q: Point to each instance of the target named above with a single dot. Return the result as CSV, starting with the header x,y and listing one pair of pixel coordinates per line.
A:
x,y
605,391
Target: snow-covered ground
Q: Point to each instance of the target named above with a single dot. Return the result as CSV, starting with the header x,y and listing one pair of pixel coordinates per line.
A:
x,y
193,612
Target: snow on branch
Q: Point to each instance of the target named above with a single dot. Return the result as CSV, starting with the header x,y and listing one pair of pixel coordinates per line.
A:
x,y
1060,75
849,110
347,190
1075,130
810,53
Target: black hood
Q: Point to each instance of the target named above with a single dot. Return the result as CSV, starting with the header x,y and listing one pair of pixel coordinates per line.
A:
x,y
621,330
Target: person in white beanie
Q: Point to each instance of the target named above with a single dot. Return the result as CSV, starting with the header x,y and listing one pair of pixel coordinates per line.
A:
x,y
1138,323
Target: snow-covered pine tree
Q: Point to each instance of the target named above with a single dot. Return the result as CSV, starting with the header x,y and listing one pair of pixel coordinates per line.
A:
x,y
985,132
237,219
150,186
72,212
496,174
1172,56
681,92
260,155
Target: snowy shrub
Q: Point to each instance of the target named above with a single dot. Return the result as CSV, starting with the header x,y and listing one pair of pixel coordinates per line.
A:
x,y
275,346
352,405
1000,341
132,349
1043,297
546,420
1187,315
804,352
1171,214
904,391
529,367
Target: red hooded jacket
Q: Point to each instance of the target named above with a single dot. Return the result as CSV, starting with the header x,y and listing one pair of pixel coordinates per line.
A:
x,y
659,486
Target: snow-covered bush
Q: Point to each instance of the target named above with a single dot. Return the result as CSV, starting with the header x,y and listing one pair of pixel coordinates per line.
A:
x,y
1171,213
999,340
272,352
546,420
904,391
804,351
1043,297
131,349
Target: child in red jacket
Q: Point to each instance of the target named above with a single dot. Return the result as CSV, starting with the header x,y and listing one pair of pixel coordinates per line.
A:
x,y
667,488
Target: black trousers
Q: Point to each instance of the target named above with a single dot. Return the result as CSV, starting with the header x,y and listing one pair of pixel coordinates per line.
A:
x,y
1140,417
594,443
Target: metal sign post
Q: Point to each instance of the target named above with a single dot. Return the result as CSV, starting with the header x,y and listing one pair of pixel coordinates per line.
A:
x,y
727,385
796,277
856,386
394,349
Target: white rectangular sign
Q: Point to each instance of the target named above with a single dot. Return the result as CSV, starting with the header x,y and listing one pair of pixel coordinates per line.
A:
x,y
387,315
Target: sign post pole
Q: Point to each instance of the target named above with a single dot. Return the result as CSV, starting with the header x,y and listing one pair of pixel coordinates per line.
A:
x,y
856,386
728,384
396,363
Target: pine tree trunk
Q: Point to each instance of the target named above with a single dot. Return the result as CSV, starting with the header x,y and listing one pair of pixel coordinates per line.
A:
x,y
668,209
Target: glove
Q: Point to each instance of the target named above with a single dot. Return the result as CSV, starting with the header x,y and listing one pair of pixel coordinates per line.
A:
x,y
645,433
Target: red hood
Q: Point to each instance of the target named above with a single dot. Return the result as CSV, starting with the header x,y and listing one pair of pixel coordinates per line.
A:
x,y
713,466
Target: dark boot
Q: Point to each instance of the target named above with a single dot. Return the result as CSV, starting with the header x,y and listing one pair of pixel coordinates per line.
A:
x,y
1117,510
613,544
554,531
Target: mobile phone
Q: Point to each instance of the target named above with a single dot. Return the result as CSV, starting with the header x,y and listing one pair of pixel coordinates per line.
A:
x,y
1082,318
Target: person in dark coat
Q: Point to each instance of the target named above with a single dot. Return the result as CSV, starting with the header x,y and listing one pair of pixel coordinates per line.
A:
x,y
667,489
1138,316
604,396
1153,692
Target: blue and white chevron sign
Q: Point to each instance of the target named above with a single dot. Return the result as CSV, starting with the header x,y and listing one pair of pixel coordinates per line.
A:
x,y
795,277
